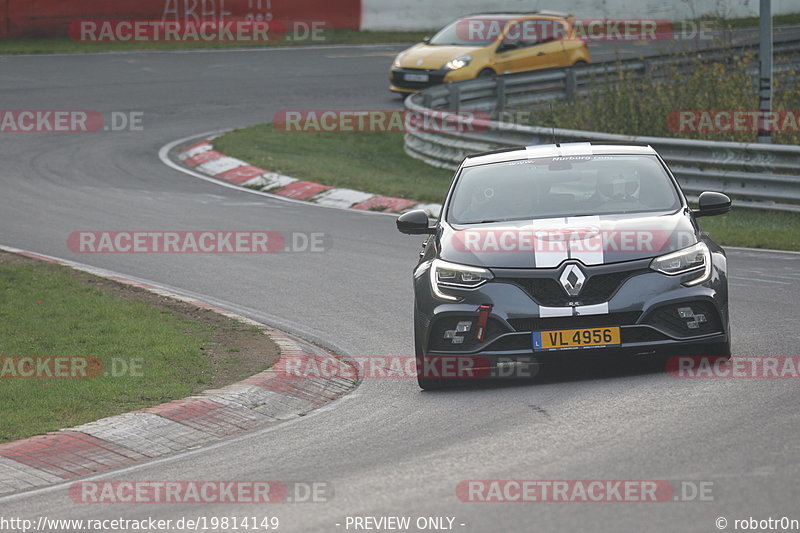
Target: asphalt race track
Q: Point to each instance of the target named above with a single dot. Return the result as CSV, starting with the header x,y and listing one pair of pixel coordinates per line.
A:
x,y
387,448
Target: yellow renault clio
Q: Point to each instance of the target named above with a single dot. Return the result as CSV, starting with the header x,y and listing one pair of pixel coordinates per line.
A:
x,y
488,45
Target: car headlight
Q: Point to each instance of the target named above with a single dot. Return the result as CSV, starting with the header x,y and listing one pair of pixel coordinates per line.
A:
x,y
450,275
457,63
695,258
398,59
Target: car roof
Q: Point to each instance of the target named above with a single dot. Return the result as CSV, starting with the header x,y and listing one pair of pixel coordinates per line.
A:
x,y
557,150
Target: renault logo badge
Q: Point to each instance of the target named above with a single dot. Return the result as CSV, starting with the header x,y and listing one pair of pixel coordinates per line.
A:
x,y
572,280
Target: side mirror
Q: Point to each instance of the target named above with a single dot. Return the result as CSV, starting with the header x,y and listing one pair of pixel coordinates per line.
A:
x,y
427,39
713,203
415,223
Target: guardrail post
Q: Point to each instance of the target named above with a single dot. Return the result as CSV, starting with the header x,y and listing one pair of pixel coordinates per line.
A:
x,y
570,82
500,93
454,97
647,68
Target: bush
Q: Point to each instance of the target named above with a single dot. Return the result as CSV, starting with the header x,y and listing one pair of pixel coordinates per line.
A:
x,y
626,105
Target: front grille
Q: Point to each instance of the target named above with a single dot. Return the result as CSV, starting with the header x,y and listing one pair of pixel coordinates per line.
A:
x,y
668,319
575,322
436,77
597,289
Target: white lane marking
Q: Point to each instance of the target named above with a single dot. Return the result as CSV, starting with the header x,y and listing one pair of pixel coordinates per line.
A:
x,y
760,250
759,272
761,280
769,275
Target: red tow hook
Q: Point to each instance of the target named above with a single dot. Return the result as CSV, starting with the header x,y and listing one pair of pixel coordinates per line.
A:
x,y
483,319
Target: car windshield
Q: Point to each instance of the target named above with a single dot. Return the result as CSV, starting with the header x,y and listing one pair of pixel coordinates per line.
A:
x,y
562,187
471,31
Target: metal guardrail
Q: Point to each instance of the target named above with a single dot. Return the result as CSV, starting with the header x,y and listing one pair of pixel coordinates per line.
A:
x,y
757,175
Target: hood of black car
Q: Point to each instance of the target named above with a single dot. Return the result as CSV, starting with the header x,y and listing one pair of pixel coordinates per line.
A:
x,y
546,243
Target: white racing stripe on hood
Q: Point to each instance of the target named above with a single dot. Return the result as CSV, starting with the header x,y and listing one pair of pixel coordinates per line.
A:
x,y
548,252
581,310
589,249
553,247
575,149
536,151
599,309
553,312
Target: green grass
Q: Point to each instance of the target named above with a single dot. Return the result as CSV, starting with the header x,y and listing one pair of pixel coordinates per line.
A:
x,y
754,228
45,311
66,45
370,162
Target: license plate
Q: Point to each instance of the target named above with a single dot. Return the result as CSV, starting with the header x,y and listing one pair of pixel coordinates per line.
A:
x,y
417,77
569,339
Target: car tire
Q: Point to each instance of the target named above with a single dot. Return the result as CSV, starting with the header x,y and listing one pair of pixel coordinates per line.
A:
x,y
487,73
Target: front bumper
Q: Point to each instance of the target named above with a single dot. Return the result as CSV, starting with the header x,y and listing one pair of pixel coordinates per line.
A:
x,y
399,83
643,303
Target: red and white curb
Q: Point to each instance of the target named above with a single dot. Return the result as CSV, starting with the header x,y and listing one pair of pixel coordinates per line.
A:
x,y
202,157
178,425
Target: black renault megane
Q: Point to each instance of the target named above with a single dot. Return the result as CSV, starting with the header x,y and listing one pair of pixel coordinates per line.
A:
x,y
546,252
